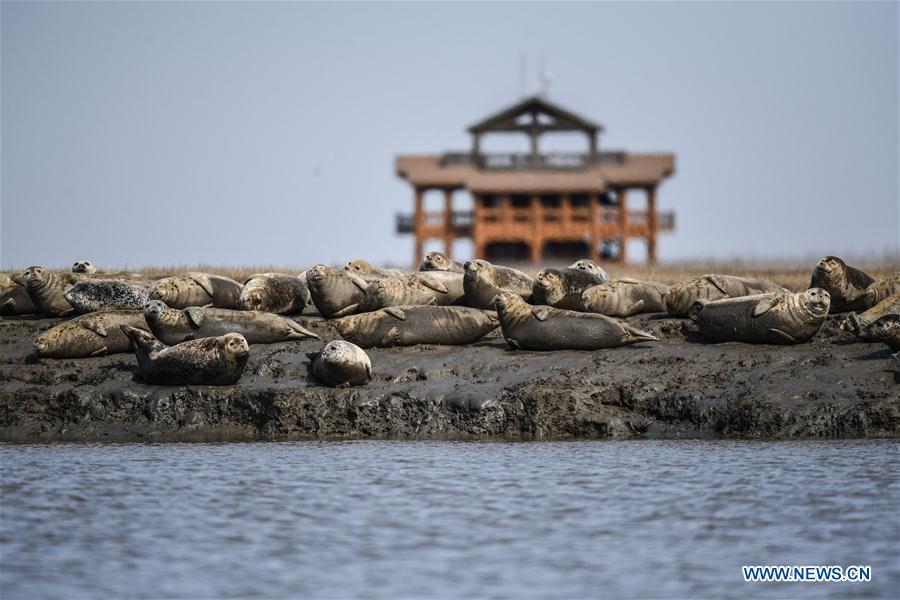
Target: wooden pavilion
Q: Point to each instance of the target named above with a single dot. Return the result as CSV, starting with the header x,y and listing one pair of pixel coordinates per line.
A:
x,y
534,206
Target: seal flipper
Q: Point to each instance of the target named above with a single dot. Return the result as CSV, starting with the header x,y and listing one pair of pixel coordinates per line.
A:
x,y
300,330
195,316
433,283
636,307
717,283
765,305
851,324
347,310
396,312
357,281
67,313
97,328
781,337
101,352
541,312
203,281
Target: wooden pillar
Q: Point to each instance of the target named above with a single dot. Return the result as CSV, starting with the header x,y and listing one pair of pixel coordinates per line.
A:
x,y
623,224
506,216
565,209
592,143
420,226
537,238
477,236
595,227
652,224
448,222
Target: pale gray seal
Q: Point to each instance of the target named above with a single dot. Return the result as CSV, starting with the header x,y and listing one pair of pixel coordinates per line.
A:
x,y
586,264
846,285
274,292
14,298
885,329
336,293
106,294
881,289
95,334
362,267
207,361
83,266
857,323
173,326
341,364
483,281
410,325
527,327
197,289
438,261
440,288
47,290
681,296
764,318
625,297
562,288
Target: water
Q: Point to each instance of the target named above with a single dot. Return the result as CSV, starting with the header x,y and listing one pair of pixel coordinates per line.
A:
x,y
443,519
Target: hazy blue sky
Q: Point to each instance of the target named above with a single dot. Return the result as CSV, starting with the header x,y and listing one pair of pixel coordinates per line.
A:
x,y
249,133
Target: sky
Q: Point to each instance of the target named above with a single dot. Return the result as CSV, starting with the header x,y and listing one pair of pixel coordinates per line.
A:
x,y
138,134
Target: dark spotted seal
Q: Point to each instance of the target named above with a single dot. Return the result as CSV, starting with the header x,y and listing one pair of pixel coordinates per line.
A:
x,y
14,298
362,267
83,266
172,326
95,334
846,285
586,264
341,364
91,296
438,261
274,292
483,281
336,293
47,290
563,288
207,361
527,327
764,318
440,288
857,323
410,325
197,289
625,297
682,296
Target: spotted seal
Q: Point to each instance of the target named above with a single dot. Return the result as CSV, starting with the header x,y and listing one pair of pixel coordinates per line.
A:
x,y
483,281
362,267
846,285
625,297
881,289
274,292
586,264
763,318
83,266
197,289
341,364
562,288
411,325
682,296
441,288
207,361
527,327
94,334
14,298
91,296
336,293
173,326
47,290
438,261
856,324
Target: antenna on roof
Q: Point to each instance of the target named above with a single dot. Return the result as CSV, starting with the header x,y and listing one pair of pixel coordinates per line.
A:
x,y
545,78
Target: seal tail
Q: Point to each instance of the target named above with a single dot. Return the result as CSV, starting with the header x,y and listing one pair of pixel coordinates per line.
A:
x,y
851,324
636,335
695,309
140,339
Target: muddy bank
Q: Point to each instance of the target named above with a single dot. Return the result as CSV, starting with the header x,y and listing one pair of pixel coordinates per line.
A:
x,y
831,387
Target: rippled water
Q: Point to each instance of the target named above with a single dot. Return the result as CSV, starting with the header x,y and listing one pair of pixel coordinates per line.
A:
x,y
444,519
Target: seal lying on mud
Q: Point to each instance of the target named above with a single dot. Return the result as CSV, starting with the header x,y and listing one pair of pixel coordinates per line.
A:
x,y
483,281
341,364
562,288
586,264
14,298
440,288
83,266
438,261
96,334
857,323
527,327
172,326
362,267
681,296
47,290
886,330
410,325
846,285
625,297
274,292
763,318
91,296
207,361
882,289
336,293
197,289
